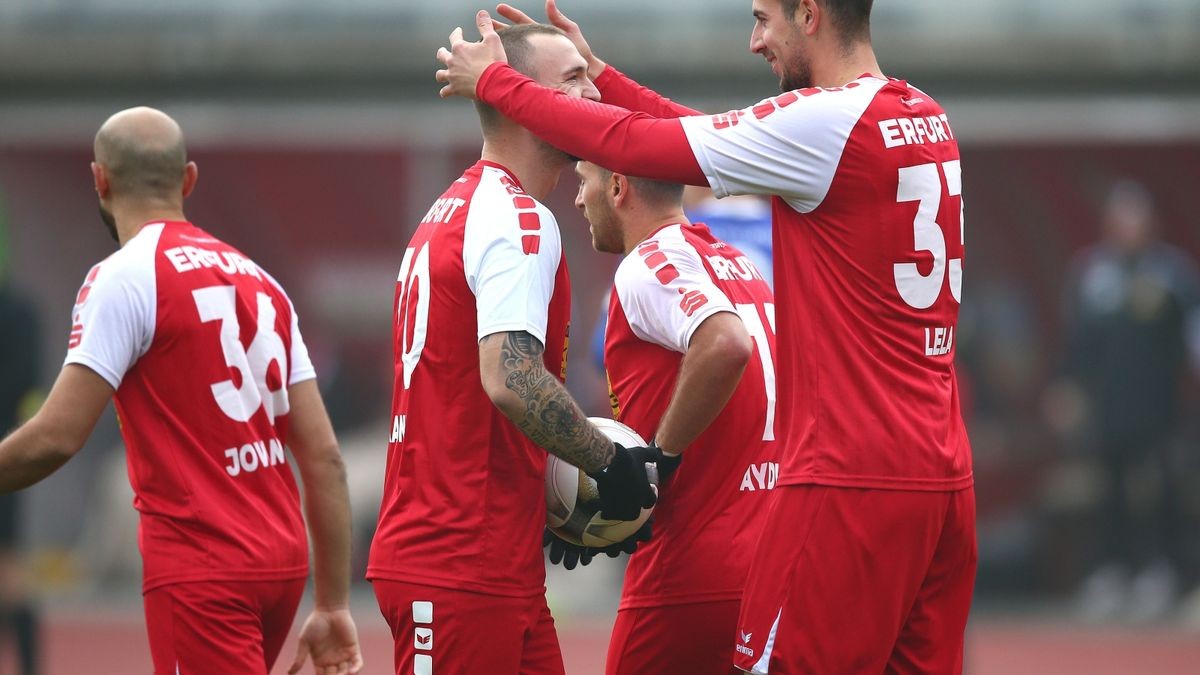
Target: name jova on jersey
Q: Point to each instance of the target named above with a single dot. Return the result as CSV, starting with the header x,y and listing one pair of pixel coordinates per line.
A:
x,y
253,456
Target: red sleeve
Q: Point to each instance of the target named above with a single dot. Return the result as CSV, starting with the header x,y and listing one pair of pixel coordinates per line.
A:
x,y
617,88
631,143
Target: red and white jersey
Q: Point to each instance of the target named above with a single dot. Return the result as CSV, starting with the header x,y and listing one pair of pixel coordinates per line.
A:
x,y
710,516
201,346
463,502
868,245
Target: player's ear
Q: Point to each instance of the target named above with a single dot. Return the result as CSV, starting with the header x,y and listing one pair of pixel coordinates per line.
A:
x,y
618,188
100,180
808,16
190,175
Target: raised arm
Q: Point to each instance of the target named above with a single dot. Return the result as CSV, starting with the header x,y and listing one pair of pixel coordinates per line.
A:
x,y
627,142
329,634
615,87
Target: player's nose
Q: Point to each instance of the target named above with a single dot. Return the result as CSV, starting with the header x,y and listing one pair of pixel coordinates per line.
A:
x,y
590,91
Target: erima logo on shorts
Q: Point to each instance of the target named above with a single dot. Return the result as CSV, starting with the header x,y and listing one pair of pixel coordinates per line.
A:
x,y
741,647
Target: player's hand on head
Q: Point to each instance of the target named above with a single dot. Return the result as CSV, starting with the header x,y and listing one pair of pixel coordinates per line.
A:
x,y
566,25
465,61
624,486
331,638
565,553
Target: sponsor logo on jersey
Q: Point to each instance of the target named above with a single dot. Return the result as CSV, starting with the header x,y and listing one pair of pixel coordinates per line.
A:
x,y
746,636
915,130
760,477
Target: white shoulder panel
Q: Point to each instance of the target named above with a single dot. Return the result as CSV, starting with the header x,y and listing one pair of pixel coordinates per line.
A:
x,y
665,290
789,145
511,254
113,322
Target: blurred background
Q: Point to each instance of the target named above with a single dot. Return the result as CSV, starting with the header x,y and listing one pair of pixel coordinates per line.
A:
x,y
321,142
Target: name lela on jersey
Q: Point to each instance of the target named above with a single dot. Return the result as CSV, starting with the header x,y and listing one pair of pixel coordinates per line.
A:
x,y
868,237
200,346
710,516
463,503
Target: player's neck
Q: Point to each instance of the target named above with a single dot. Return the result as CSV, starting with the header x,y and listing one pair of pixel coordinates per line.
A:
x,y
130,218
649,224
848,67
535,165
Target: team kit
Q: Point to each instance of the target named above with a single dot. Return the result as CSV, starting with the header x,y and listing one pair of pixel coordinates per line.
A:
x,y
785,468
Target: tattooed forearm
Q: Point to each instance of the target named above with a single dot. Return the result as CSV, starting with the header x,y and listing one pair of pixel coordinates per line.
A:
x,y
543,408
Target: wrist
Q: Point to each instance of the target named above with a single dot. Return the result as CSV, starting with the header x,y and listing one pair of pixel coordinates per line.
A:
x,y
618,451
485,77
596,68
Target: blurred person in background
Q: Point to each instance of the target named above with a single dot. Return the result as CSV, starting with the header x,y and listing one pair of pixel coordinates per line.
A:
x,y
202,353
690,361
20,355
1132,314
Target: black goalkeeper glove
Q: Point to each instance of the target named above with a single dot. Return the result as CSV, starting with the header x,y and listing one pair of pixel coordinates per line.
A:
x,y
630,545
569,555
666,464
565,553
624,486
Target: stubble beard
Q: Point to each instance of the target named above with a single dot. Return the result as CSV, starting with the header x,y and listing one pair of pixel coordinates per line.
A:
x,y
110,223
796,75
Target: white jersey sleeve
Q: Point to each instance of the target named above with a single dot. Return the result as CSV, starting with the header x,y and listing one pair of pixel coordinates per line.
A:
x,y
113,322
302,368
666,292
510,258
789,145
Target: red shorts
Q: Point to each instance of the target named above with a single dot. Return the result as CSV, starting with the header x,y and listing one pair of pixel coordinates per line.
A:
x,y
205,627
859,581
445,631
692,639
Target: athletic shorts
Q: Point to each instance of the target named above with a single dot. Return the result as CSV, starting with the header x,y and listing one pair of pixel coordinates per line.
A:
x,y
859,581
692,639
205,627
448,632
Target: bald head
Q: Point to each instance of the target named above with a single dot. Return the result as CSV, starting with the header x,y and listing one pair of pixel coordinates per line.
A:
x,y
142,153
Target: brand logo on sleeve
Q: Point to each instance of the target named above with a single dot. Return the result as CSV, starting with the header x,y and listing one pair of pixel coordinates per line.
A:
x,y
692,301
423,638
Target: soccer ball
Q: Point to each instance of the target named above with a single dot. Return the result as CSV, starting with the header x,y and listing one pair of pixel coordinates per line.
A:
x,y
573,502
